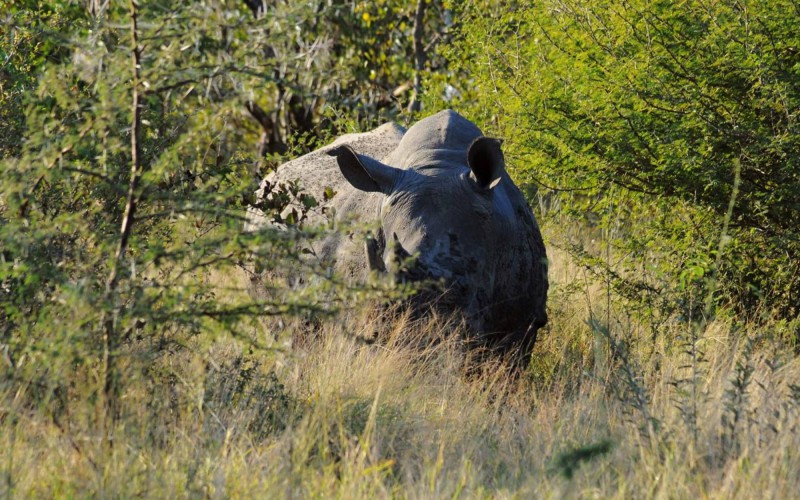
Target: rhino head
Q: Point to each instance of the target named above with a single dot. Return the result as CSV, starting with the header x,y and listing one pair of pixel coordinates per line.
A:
x,y
439,210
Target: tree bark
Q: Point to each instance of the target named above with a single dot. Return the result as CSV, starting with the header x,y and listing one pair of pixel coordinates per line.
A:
x,y
110,334
419,56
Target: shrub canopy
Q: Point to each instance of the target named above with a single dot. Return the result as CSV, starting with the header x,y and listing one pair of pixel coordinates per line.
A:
x,y
685,114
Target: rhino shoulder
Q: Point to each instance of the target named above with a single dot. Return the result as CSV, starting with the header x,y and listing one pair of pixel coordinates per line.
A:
x,y
377,143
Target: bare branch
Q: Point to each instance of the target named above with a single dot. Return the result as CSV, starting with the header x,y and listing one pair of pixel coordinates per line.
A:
x,y
419,56
110,337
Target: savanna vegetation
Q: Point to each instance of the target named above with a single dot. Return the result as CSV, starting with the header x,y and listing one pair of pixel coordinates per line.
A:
x,y
657,142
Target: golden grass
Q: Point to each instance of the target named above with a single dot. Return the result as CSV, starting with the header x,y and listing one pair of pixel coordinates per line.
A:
x,y
341,417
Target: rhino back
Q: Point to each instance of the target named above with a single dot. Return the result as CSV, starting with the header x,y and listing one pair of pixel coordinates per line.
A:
x,y
316,171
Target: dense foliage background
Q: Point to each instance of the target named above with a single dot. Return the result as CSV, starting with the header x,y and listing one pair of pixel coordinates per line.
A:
x,y
676,123
657,142
134,137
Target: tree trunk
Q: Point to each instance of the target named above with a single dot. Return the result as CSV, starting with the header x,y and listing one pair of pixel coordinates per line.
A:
x,y
419,56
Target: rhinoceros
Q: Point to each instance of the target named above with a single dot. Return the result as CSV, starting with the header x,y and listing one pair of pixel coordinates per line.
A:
x,y
438,192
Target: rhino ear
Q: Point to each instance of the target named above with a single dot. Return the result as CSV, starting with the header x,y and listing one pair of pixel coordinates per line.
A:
x,y
364,173
486,160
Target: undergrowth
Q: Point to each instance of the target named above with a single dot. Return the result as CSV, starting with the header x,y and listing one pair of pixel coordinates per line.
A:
x,y
711,411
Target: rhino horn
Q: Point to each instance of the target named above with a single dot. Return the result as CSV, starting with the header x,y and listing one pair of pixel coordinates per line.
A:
x,y
365,173
373,251
486,160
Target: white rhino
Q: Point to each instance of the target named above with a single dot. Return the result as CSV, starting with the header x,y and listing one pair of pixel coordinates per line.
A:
x,y
441,194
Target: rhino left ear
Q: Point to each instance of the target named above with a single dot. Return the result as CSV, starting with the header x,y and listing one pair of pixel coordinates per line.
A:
x,y
486,160
365,173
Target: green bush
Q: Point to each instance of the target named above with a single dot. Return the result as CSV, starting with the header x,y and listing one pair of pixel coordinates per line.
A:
x,y
676,122
123,194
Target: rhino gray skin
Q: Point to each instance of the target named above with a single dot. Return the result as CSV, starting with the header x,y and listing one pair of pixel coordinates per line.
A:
x,y
441,194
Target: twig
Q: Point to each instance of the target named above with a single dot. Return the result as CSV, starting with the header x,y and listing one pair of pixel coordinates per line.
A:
x,y
126,229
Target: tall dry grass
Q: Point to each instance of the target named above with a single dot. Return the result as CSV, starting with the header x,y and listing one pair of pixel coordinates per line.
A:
x,y
606,410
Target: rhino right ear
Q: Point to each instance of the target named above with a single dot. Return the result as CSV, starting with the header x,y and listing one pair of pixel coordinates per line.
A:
x,y
365,173
485,159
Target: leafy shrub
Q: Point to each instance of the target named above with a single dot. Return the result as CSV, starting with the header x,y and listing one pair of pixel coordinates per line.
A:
x,y
122,203
676,121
